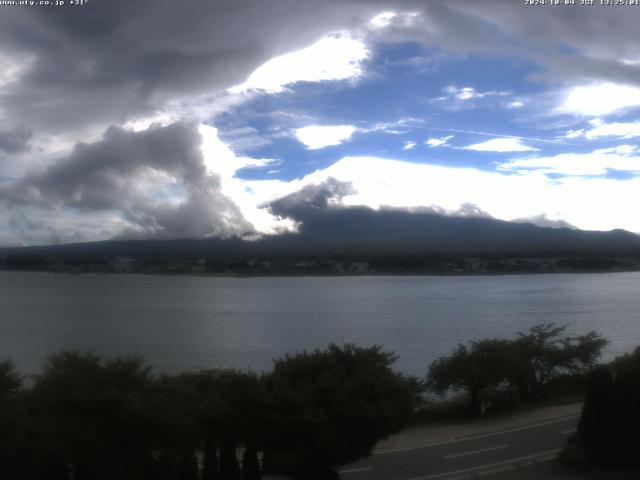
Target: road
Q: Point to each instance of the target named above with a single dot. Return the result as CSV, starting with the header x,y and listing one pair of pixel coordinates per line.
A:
x,y
468,457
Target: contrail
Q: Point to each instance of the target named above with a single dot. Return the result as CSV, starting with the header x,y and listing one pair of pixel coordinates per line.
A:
x,y
455,130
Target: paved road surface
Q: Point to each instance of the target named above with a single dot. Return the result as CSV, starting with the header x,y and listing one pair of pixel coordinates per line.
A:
x,y
469,457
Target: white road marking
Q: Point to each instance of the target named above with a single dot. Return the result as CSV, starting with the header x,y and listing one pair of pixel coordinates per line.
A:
x,y
571,430
355,470
455,455
474,437
490,465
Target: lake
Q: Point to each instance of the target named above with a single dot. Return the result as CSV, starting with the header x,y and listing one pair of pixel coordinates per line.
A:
x,y
186,323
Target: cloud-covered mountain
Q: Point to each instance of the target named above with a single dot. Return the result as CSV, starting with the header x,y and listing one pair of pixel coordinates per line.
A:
x,y
327,228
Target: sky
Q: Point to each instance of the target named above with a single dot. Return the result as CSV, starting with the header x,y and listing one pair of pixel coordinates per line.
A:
x,y
165,119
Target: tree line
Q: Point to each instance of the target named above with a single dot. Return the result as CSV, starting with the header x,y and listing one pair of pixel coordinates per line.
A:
x,y
89,418
524,365
85,417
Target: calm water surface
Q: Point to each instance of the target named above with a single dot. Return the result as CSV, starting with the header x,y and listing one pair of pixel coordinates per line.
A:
x,y
185,323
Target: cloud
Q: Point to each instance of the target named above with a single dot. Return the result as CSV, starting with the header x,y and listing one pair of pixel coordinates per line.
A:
x,y
320,136
542,220
458,98
409,145
501,135
575,45
469,93
155,179
599,99
311,199
616,129
30,226
398,127
382,20
324,221
246,139
222,161
598,162
69,76
509,144
15,140
438,142
574,133
331,58
101,65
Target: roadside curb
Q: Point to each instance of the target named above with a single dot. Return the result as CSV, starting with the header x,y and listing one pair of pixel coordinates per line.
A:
x,y
429,435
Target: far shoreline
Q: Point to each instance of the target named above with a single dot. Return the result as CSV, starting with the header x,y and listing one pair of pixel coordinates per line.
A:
x,y
236,275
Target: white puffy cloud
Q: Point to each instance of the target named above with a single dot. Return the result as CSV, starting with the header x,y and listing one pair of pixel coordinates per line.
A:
x,y
598,162
409,145
331,58
599,99
220,160
616,129
438,142
507,144
574,133
320,136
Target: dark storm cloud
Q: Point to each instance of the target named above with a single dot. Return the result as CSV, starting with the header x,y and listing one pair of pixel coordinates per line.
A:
x,y
571,42
597,31
31,232
121,172
14,141
574,42
311,199
110,60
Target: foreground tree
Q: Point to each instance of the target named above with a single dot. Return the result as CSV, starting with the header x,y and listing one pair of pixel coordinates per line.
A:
x,y
92,415
328,408
484,364
250,464
610,421
10,382
231,410
210,460
526,363
229,466
11,419
544,352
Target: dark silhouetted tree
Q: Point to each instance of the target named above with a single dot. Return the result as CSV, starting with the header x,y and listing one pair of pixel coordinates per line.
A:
x,y
210,460
481,365
328,408
188,465
229,466
250,464
544,352
610,420
12,427
92,414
